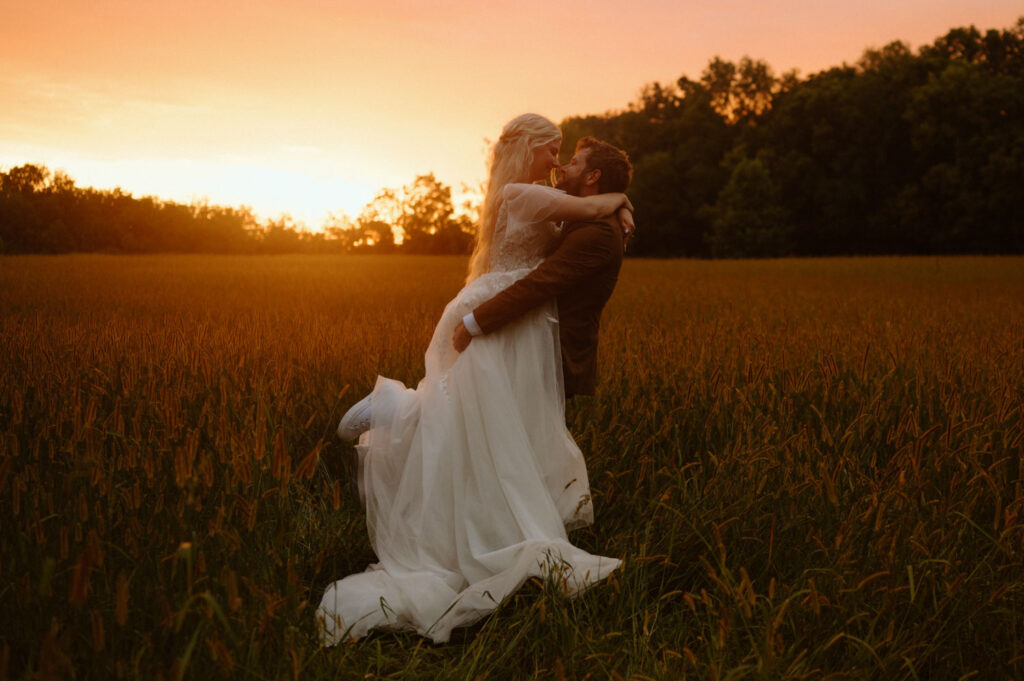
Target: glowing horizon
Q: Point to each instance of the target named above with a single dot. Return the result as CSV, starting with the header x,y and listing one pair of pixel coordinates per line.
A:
x,y
311,107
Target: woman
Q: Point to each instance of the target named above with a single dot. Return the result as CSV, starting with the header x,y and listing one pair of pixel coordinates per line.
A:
x,y
471,479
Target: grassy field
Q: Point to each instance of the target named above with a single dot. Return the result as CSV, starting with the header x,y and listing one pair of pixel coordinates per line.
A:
x,y
812,470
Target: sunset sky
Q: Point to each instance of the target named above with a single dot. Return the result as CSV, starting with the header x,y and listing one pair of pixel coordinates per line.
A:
x,y
310,106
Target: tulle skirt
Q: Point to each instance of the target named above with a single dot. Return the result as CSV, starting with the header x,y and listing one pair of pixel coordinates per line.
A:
x,y
470,482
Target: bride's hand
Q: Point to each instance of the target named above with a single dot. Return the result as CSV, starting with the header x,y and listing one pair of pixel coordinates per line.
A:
x,y
628,225
461,338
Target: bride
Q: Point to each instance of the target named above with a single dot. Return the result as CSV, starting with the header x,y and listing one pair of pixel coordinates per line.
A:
x,y
471,479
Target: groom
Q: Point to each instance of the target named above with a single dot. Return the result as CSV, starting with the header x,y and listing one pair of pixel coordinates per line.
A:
x,y
581,272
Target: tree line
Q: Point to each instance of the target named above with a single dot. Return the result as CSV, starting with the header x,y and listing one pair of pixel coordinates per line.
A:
x,y
899,153
45,212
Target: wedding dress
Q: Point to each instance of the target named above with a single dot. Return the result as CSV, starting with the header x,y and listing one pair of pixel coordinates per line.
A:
x,y
471,479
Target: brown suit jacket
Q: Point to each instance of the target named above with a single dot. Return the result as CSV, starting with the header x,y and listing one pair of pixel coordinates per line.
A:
x,y
581,273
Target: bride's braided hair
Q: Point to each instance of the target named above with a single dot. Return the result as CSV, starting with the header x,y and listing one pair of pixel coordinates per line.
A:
x,y
510,160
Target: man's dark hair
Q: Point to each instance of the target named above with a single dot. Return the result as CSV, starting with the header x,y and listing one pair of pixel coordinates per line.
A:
x,y
616,170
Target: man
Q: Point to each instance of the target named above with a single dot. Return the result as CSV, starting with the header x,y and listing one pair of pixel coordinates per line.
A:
x,y
581,273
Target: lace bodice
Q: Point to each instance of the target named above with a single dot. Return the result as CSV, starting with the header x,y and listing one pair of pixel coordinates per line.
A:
x,y
523,232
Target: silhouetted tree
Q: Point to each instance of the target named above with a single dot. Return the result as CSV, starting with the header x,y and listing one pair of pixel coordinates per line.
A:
x,y
425,209
750,220
421,212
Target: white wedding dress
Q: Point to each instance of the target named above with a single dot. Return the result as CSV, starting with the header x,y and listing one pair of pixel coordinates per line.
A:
x,y
471,480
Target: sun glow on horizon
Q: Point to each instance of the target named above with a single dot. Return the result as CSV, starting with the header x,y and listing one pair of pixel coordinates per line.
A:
x,y
270,192
308,108
309,197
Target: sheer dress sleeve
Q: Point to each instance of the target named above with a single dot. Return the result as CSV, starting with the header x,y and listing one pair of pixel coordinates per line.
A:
x,y
532,203
529,232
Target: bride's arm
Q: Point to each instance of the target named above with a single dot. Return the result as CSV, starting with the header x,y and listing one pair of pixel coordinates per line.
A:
x,y
574,208
530,204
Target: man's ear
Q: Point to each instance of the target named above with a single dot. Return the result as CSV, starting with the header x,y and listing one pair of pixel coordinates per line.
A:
x,y
592,177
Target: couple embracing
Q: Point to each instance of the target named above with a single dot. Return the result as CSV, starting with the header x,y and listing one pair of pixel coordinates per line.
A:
x,y
471,480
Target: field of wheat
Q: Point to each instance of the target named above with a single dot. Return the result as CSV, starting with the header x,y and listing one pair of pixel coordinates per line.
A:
x,y
812,470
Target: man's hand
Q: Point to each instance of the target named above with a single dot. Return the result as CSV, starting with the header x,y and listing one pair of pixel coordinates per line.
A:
x,y
461,337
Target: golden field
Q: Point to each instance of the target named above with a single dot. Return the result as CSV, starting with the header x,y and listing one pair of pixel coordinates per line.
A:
x,y
812,469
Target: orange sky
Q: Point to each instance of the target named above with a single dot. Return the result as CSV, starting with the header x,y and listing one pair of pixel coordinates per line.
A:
x,y
310,106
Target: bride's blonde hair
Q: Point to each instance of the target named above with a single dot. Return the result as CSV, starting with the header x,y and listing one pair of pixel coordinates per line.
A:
x,y
509,161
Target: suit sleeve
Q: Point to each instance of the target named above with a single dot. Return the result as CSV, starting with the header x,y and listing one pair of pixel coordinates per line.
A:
x,y
583,252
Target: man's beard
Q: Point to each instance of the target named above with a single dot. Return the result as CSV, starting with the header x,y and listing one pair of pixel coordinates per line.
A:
x,y
571,186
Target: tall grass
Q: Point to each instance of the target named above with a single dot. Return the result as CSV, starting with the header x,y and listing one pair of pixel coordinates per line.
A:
x,y
811,468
